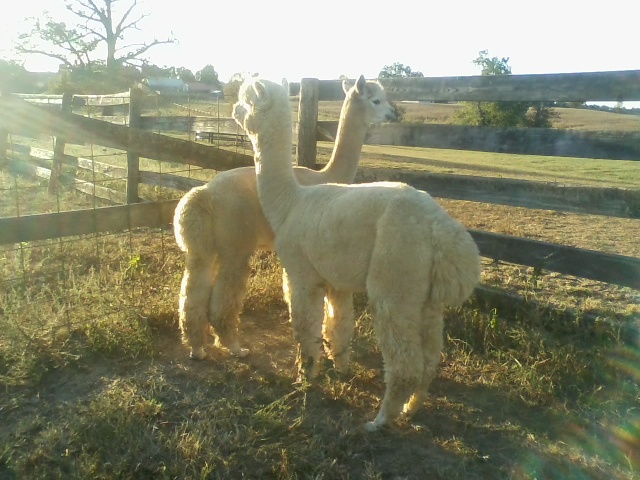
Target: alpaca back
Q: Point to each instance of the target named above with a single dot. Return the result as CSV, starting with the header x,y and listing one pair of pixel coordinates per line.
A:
x,y
371,237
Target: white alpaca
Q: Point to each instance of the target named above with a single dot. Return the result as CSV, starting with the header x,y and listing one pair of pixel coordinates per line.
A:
x,y
220,225
386,239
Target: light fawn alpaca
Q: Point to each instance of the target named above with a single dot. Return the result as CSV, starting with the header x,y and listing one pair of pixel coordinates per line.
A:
x,y
386,239
220,225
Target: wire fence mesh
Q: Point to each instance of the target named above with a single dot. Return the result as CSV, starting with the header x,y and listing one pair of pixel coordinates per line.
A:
x,y
54,287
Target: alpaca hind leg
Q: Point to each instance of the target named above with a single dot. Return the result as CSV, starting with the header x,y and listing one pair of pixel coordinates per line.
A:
x,y
398,335
227,299
306,309
286,290
195,291
432,344
338,327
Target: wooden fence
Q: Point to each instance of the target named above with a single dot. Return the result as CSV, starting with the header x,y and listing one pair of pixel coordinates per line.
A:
x,y
19,117
578,87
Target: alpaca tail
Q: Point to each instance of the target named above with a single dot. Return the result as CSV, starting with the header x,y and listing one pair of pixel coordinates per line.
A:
x,y
191,217
456,265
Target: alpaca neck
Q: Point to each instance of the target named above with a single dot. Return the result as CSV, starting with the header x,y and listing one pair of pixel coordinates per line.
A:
x,y
277,185
352,130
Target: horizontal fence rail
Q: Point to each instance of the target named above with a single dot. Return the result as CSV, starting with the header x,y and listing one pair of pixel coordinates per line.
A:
x,y
20,117
579,262
559,87
122,98
522,141
616,269
83,222
612,202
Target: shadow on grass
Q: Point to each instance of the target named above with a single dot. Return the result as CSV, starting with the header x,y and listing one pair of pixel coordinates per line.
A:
x,y
166,416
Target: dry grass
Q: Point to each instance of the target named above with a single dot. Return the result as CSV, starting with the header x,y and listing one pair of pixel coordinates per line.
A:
x,y
113,395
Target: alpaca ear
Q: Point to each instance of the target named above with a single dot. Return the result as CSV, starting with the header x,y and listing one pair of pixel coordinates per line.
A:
x,y
361,84
346,86
259,89
285,85
263,98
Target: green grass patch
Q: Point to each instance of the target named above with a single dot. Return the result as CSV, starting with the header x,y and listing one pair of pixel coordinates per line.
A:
x,y
561,170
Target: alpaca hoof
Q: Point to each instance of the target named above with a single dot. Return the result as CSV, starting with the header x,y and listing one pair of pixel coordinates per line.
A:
x,y
412,406
240,352
341,367
198,354
408,411
373,426
380,422
307,370
306,376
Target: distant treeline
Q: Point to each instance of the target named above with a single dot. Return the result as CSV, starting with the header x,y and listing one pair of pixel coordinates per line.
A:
x,y
600,108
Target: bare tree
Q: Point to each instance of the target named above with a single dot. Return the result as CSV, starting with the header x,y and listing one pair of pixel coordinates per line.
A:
x,y
99,23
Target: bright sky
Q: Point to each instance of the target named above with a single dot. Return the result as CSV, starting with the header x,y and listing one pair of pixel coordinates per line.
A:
x,y
297,38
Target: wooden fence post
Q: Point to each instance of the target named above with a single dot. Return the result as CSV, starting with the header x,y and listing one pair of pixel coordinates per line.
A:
x,y
4,161
133,160
307,122
58,148
4,136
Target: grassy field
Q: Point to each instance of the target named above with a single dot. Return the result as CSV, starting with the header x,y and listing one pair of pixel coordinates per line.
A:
x,y
96,383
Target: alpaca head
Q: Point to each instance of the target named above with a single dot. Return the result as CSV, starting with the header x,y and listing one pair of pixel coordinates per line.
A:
x,y
370,98
260,102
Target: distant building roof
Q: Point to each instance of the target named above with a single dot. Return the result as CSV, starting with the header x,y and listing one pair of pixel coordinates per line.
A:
x,y
165,84
199,87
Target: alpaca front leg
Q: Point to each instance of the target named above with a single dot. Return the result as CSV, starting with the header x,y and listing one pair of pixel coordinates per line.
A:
x,y
195,290
306,308
227,299
338,327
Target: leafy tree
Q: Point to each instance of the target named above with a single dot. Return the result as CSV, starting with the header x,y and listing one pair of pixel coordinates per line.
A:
x,y
100,24
232,87
184,74
14,78
398,70
94,79
150,70
575,104
492,66
503,113
209,76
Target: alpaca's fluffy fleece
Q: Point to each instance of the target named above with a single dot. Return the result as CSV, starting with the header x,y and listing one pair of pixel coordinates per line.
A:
x,y
220,225
387,239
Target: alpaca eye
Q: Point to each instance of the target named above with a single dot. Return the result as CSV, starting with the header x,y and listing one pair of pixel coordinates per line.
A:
x,y
376,102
